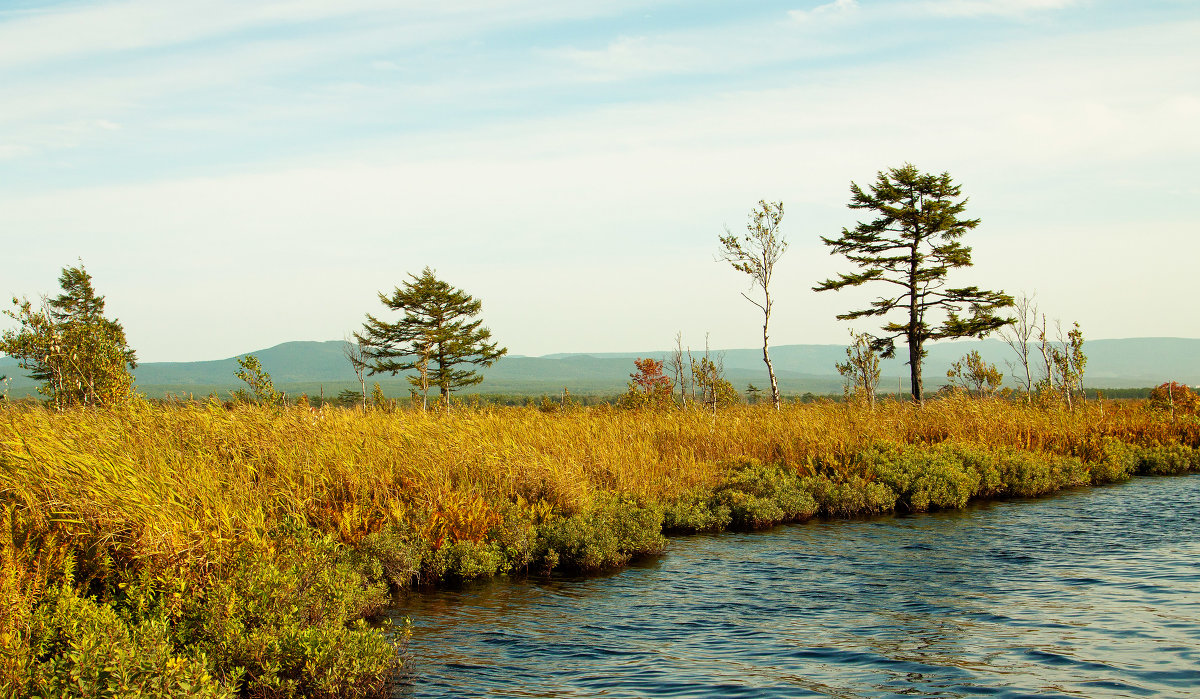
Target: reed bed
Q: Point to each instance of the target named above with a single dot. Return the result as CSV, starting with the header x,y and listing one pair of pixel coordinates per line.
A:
x,y
236,549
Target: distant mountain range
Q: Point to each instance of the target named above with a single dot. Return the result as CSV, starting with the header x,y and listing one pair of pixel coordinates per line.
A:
x,y
320,367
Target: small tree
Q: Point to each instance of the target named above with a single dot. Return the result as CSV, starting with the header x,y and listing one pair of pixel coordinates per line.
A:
x,y
80,356
1019,336
1069,362
1175,398
259,381
975,376
437,336
648,386
752,394
679,368
910,248
755,254
353,351
348,397
708,373
861,369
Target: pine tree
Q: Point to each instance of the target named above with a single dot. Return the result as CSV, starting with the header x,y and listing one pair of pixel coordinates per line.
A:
x,y
911,246
436,336
80,356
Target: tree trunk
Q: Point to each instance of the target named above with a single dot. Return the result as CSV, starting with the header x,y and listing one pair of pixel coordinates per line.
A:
x,y
767,356
915,341
1028,377
914,365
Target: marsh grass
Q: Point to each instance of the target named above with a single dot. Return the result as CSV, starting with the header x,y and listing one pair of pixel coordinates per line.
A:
x,y
237,549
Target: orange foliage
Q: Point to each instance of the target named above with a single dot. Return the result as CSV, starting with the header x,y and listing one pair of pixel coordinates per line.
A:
x,y
1177,396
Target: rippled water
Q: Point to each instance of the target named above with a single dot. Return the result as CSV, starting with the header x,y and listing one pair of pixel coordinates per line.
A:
x,y
1091,593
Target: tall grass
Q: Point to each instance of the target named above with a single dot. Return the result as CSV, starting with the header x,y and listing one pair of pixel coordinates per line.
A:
x,y
235,548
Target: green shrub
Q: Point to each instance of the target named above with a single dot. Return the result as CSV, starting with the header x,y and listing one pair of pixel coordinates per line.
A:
x,y
759,495
289,613
396,553
608,535
465,560
516,534
696,513
1168,459
849,498
1012,473
1118,462
84,649
923,478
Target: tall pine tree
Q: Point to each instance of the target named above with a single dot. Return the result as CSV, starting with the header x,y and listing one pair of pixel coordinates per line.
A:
x,y
437,336
910,247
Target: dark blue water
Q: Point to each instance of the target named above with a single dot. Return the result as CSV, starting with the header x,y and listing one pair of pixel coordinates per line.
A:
x,y
1091,593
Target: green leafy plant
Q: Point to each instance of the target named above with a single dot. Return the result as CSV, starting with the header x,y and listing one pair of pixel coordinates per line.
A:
x,y
261,386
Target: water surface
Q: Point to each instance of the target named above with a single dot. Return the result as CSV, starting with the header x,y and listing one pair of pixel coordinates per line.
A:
x,y
1091,593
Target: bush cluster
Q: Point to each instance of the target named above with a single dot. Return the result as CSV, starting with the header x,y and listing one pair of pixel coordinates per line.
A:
x,y
279,618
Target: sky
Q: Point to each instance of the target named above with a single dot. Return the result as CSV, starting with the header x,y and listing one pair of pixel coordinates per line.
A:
x,y
239,174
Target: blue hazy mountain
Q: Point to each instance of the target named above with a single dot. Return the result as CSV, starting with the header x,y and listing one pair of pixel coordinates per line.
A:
x,y
314,367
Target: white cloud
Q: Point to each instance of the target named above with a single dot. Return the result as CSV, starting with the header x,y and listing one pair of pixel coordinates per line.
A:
x,y
126,25
835,9
984,8
629,55
14,151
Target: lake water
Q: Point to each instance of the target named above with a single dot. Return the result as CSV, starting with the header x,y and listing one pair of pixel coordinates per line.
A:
x,y
1091,593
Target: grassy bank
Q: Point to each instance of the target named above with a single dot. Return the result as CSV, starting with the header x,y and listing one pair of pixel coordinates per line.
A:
x,y
196,550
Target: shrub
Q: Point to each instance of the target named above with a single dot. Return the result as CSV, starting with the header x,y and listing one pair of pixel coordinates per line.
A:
x,y
1117,462
465,560
84,649
923,478
289,613
1168,459
396,553
1012,473
608,535
849,498
695,512
759,495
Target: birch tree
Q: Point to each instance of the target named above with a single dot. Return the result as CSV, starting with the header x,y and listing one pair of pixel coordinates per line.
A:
x,y
756,254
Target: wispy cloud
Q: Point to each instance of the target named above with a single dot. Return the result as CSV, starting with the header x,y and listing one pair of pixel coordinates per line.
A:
x,y
983,8
848,10
838,9
629,55
65,32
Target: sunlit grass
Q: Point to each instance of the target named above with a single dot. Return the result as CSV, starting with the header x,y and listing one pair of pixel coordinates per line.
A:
x,y
195,494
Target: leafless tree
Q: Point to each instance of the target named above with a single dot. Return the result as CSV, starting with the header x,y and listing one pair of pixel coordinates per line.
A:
x,y
679,369
1018,337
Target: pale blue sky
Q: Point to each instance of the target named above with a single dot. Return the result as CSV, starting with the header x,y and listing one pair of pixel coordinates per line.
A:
x,y
237,174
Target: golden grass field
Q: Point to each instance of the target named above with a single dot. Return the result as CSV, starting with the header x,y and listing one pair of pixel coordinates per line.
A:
x,y
157,508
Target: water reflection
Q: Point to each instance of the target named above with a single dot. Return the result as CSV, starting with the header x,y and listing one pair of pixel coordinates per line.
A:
x,y
1093,593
